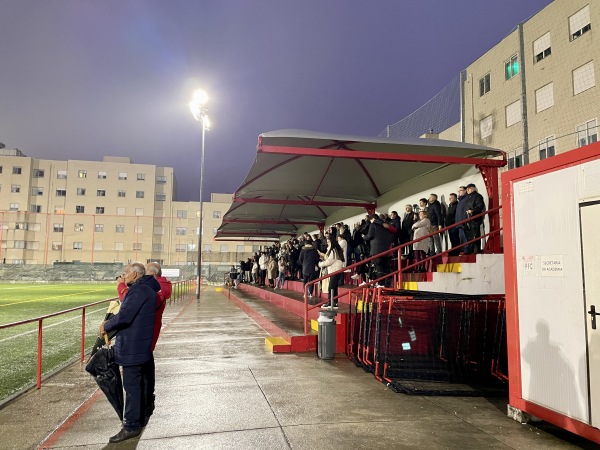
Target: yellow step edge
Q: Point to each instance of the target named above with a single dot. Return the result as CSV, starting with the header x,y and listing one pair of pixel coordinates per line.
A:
x,y
314,325
449,267
410,285
272,341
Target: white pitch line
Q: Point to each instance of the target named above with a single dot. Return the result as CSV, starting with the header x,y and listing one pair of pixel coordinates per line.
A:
x,y
49,326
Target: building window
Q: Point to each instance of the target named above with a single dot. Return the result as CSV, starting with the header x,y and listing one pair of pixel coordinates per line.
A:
x,y
99,228
122,175
78,227
35,208
139,211
80,191
58,227
56,245
118,246
513,113
17,170
38,173
515,158
484,85
587,133
180,248
100,193
159,230
583,78
546,147
544,97
61,192
511,67
15,188
181,214
59,210
138,229
161,179
120,193
240,248
485,127
61,174
180,231
102,175
0,169
157,247
141,176
216,214
579,23
121,211
542,48
14,207
98,246
99,209
79,209
191,247
19,244
161,197
82,173
207,248
37,191
77,245
137,246
224,248
139,194
214,230
120,229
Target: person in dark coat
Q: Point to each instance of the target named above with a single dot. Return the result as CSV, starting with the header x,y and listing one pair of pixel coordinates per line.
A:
x,y
461,214
474,204
451,220
134,325
396,223
434,209
309,258
380,240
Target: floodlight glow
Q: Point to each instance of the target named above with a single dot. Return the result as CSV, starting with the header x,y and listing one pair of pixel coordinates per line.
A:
x,y
200,97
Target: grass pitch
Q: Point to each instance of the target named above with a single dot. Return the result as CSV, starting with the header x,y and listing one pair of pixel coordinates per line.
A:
x,y
61,334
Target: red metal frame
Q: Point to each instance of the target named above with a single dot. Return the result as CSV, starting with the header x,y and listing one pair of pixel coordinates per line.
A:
x,y
572,158
273,201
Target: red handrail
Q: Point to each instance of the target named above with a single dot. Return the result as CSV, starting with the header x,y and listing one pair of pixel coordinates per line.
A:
x,y
178,293
397,249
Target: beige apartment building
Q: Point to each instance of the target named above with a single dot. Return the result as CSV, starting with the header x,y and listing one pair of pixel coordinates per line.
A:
x,y
534,94
103,211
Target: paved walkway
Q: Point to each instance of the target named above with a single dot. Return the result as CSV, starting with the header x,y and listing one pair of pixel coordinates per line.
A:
x,y
219,388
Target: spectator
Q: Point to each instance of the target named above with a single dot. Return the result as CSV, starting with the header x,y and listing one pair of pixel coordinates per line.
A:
x,y
451,220
334,261
461,214
262,265
281,267
396,223
421,228
409,218
434,210
271,271
134,324
233,277
379,240
474,204
309,258
343,245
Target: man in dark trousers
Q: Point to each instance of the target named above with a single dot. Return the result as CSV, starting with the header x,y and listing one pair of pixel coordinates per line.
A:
x,y
451,220
474,205
308,259
380,240
134,325
434,209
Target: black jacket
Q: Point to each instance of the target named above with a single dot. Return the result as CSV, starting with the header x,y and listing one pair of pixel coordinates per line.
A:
x,y
134,323
379,238
309,258
435,214
451,214
474,201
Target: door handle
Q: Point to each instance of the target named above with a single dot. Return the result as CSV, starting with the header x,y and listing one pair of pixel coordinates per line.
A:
x,y
592,312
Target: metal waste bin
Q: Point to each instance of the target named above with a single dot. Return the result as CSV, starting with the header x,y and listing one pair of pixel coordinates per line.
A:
x,y
326,334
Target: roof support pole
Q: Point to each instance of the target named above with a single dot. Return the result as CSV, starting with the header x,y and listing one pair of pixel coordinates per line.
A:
x,y
490,179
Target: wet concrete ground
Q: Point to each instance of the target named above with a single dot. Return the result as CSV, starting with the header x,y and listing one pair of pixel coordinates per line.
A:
x,y
218,387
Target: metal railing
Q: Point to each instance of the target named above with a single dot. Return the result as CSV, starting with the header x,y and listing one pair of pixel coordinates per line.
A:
x,y
396,274
180,288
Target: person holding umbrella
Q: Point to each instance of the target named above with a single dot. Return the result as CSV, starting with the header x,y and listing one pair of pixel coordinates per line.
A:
x,y
134,324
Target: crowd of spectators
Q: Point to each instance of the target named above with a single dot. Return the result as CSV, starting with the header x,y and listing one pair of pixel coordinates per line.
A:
x,y
301,258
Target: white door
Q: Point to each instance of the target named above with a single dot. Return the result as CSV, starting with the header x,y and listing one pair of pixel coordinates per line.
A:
x,y
590,236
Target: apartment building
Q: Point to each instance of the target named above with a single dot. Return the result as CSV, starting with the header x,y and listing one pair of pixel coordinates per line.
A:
x,y
534,94
101,211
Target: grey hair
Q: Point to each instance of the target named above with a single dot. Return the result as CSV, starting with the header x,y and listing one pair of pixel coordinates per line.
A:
x,y
138,268
154,269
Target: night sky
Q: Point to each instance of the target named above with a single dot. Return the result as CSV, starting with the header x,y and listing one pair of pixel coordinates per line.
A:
x,y
80,79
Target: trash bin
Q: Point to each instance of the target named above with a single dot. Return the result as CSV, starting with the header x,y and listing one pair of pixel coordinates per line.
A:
x,y
326,334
